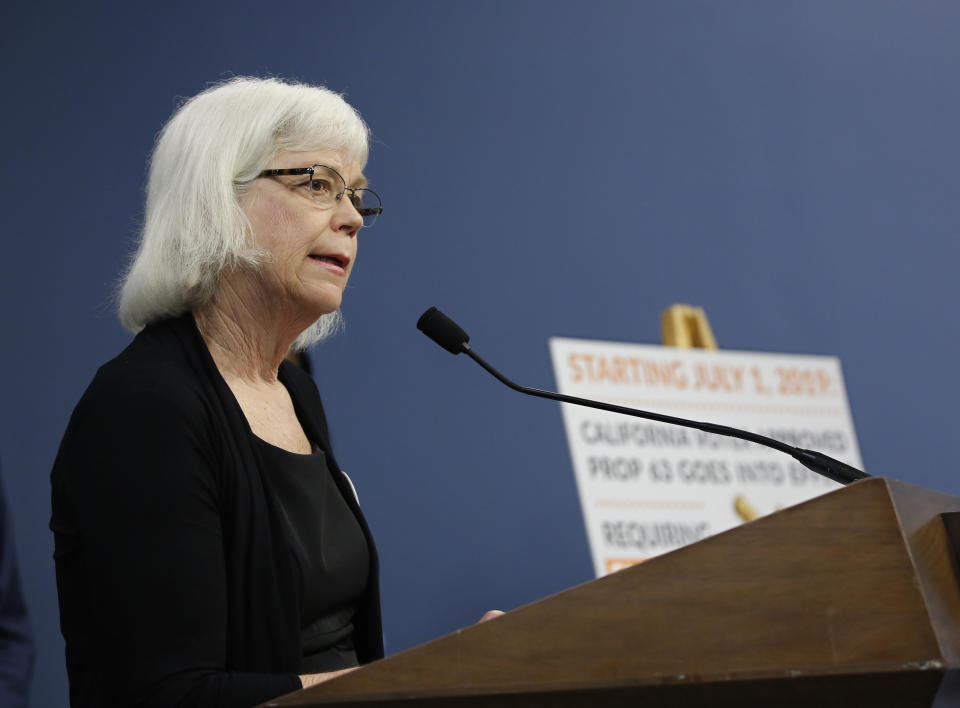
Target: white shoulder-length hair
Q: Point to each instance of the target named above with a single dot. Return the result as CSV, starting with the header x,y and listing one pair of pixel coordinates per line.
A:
x,y
205,159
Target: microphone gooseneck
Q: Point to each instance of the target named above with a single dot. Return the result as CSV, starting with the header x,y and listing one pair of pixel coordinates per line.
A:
x,y
449,335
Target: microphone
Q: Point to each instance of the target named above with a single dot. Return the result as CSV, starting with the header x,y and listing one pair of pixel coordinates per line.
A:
x,y
443,330
449,335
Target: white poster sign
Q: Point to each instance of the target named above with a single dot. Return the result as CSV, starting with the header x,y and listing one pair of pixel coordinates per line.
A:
x,y
646,487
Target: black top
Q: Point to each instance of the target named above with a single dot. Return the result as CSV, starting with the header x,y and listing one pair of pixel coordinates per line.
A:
x,y
174,572
329,553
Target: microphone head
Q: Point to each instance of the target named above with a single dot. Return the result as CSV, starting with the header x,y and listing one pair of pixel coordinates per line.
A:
x,y
443,330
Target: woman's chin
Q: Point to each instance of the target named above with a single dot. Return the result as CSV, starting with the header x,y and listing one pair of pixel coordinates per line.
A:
x,y
323,303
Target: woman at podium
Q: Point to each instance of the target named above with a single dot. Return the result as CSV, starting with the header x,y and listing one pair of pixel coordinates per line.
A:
x,y
209,550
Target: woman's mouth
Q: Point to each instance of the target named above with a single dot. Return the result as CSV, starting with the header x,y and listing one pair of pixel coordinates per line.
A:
x,y
332,262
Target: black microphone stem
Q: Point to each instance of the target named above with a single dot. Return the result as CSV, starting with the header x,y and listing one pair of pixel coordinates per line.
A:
x,y
816,461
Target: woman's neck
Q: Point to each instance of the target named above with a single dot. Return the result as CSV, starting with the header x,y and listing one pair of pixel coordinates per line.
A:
x,y
247,338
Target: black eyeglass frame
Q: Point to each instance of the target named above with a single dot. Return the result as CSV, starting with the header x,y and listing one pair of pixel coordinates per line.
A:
x,y
363,211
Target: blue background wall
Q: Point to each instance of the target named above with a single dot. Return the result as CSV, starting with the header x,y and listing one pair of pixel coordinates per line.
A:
x,y
548,168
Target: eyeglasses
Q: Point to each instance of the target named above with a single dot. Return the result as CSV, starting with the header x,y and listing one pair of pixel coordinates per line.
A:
x,y
327,187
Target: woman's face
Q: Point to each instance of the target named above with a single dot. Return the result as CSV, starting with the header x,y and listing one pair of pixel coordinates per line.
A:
x,y
313,249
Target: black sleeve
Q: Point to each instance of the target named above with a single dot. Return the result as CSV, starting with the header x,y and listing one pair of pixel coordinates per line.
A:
x,y
140,558
16,639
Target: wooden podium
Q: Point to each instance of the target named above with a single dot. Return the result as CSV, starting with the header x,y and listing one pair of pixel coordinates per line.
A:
x,y
849,599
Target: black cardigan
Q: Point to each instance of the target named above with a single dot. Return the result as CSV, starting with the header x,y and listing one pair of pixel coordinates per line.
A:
x,y
175,580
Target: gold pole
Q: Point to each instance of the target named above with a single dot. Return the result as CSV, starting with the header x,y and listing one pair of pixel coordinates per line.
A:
x,y
686,326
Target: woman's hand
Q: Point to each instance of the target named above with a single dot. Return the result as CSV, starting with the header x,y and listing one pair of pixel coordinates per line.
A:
x,y
489,615
309,680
